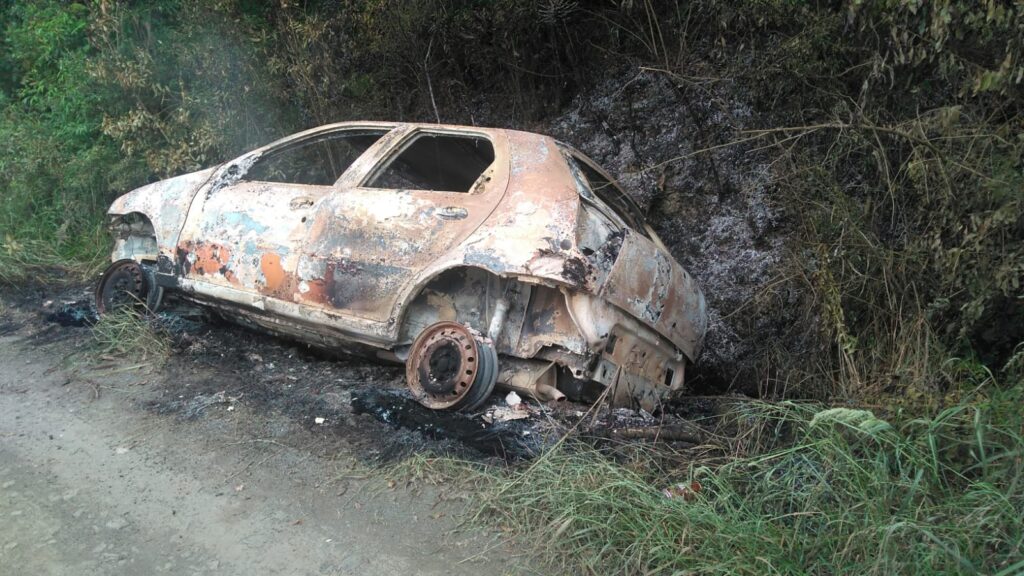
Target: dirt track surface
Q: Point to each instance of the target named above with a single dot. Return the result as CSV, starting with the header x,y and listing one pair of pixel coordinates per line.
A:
x,y
96,479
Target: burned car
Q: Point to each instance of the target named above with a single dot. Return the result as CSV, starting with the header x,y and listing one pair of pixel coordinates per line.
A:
x,y
478,257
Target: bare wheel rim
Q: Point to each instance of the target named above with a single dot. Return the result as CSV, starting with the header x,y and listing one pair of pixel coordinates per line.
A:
x,y
450,367
487,377
124,283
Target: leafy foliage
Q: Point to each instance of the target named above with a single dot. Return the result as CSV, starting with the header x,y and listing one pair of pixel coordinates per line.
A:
x,y
189,82
50,145
106,97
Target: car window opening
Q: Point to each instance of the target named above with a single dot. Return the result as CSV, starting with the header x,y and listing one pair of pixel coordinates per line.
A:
x,y
318,161
597,189
437,162
609,193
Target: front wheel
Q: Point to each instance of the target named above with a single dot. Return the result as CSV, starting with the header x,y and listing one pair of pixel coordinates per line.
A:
x,y
127,283
451,367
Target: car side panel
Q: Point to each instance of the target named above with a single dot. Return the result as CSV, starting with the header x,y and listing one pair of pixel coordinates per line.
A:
x,y
653,288
368,247
532,231
248,236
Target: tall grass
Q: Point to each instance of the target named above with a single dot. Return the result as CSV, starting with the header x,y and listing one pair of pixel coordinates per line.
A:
x,y
37,259
57,172
99,98
131,336
827,491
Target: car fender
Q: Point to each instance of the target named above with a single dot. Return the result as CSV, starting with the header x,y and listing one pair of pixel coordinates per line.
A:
x,y
165,204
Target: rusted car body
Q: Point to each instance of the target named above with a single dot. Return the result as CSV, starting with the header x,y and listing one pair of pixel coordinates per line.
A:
x,y
403,240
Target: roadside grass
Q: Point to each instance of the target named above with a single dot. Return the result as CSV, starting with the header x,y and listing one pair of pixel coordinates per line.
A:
x,y
34,260
47,237
808,490
128,336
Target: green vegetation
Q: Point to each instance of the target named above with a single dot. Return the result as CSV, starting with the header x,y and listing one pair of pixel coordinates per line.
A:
x,y
895,135
126,335
798,489
100,98
50,151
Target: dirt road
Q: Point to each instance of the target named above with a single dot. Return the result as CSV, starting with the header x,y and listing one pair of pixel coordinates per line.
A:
x,y
93,483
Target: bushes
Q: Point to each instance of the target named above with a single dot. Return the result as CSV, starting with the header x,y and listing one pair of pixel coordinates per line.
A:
x,y
106,97
462,61
55,167
893,129
190,85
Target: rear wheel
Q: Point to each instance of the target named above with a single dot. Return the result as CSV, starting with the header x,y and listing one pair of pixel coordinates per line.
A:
x,y
451,367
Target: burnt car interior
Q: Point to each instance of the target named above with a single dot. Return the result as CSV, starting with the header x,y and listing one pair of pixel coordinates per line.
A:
x,y
436,162
318,161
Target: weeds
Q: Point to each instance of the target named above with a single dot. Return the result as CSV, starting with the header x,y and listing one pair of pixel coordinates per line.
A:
x,y
824,491
129,336
37,260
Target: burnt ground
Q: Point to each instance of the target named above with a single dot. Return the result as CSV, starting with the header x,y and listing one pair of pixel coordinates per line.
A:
x,y
113,467
357,405
245,454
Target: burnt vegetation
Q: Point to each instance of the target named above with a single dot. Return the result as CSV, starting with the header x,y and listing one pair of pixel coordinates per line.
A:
x,y
844,180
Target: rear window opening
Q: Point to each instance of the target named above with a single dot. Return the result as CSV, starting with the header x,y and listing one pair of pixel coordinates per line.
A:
x,y
599,190
437,162
598,183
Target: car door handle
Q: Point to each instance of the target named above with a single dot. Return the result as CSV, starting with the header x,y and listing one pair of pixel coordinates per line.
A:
x,y
452,213
301,202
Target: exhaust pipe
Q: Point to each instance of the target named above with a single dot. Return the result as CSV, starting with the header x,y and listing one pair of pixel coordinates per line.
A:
x,y
533,378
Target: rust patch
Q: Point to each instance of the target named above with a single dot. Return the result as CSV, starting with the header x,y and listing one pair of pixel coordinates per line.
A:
x,y
205,259
273,274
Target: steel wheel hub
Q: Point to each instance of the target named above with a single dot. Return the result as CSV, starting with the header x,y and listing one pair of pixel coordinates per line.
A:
x,y
451,367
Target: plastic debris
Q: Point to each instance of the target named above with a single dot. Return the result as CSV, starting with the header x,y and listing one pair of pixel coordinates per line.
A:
x,y
687,493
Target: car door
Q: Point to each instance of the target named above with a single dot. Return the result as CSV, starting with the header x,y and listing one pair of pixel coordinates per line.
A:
x,y
244,233
428,190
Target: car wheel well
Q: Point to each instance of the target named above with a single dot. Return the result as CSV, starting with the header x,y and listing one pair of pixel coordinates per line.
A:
x,y
134,237
463,294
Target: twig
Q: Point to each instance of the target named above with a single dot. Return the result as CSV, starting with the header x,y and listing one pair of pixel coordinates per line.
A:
x,y
674,434
251,463
430,85
264,440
